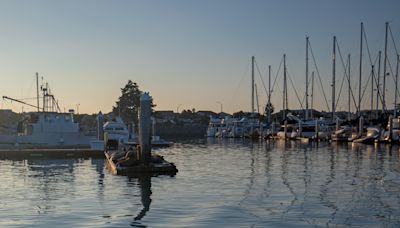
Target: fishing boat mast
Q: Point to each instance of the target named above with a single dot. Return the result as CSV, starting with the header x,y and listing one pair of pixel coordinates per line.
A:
x,y
37,91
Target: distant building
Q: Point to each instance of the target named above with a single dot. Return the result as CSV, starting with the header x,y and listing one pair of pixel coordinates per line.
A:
x,y
206,113
224,114
164,114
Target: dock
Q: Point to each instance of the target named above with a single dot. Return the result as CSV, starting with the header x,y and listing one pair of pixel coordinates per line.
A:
x,y
155,169
50,153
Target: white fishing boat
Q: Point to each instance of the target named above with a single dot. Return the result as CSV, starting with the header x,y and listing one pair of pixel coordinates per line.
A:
x,y
46,128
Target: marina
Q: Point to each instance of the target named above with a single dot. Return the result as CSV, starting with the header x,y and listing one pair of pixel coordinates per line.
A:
x,y
200,114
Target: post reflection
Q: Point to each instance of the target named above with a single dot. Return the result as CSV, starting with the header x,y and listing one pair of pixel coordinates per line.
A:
x,y
144,183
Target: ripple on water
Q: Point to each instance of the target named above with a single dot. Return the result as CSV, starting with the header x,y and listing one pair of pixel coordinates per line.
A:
x,y
220,183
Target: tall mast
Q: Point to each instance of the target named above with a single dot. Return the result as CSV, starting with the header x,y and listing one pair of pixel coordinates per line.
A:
x,y
349,81
269,94
37,91
378,87
252,84
333,77
384,70
258,106
372,87
284,87
395,94
306,115
312,94
359,82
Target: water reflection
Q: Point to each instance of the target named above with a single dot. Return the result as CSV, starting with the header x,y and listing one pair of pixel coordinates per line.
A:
x,y
221,183
144,183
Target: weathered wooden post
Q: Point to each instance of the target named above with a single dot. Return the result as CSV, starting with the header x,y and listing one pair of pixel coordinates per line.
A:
x,y
145,128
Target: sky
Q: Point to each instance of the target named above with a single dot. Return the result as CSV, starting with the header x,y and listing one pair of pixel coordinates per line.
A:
x,y
188,54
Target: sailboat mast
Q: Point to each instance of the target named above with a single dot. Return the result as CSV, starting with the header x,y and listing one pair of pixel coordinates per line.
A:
x,y
395,94
306,115
359,82
312,94
284,87
372,87
252,84
269,94
384,70
258,106
378,86
349,82
37,91
333,77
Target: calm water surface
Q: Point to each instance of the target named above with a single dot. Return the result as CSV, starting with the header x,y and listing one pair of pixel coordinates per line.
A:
x,y
221,183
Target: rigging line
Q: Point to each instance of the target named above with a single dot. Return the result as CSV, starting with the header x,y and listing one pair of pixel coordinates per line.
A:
x,y
366,86
262,81
28,98
308,84
347,76
294,88
369,78
394,43
366,42
341,87
276,76
319,77
240,82
392,74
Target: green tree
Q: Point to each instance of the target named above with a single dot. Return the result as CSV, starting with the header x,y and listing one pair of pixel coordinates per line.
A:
x,y
127,106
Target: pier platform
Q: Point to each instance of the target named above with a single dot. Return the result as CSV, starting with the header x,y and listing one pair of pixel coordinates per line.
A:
x,y
50,153
161,168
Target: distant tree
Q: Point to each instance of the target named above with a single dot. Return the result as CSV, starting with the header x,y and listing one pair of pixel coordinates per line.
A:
x,y
127,106
238,114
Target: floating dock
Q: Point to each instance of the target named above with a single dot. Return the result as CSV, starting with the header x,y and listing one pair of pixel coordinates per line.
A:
x,y
161,168
50,153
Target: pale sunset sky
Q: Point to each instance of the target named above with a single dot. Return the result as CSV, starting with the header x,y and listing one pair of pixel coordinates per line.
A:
x,y
186,53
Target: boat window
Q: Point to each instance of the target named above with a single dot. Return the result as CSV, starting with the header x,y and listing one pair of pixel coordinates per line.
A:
x,y
119,128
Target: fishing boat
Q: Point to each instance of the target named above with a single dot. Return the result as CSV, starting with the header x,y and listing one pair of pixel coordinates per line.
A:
x,y
46,128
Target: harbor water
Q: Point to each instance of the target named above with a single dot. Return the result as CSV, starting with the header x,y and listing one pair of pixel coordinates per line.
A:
x,y
220,183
